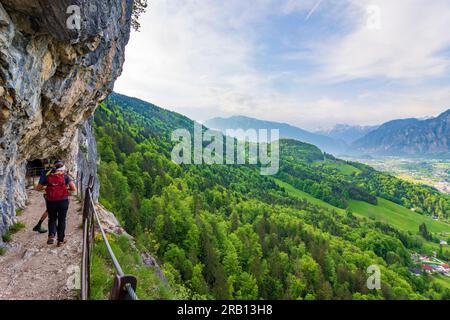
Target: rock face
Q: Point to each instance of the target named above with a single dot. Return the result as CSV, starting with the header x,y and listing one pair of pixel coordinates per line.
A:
x,y
58,59
85,156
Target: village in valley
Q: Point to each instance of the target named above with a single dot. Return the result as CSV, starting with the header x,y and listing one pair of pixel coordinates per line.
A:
x,y
429,265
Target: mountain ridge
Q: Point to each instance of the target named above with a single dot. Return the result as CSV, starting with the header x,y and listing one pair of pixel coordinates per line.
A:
x,y
346,132
408,137
287,131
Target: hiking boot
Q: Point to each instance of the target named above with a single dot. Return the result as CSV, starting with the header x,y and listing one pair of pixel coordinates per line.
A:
x,y
61,243
40,229
50,240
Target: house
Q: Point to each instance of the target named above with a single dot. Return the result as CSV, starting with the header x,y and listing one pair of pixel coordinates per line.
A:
x,y
415,257
427,268
446,266
440,269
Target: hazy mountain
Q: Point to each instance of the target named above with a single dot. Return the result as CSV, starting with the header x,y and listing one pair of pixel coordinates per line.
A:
x,y
409,137
287,131
347,133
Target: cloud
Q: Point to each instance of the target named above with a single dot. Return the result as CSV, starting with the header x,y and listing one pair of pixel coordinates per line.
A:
x,y
187,48
410,44
221,58
373,109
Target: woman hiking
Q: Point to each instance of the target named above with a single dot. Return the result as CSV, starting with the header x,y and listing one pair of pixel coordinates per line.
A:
x,y
38,227
57,186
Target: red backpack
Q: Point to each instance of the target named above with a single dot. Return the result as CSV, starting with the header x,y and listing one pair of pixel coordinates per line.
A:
x,y
56,187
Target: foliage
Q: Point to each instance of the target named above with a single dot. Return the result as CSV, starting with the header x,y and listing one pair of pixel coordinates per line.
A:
x,y
139,7
19,212
226,232
6,237
16,227
424,232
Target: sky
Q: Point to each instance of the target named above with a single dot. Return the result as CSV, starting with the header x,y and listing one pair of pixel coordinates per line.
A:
x,y
309,63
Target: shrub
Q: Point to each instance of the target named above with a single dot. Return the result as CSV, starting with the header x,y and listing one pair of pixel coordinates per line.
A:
x,y
16,227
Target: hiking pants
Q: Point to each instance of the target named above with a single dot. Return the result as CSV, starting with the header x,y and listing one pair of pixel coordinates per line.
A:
x,y
57,212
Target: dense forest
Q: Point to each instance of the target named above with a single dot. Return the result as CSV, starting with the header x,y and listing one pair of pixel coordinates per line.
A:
x,y
226,232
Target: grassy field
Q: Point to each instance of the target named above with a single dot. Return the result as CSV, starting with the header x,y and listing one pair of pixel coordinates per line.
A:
x,y
398,216
303,195
386,211
443,281
343,168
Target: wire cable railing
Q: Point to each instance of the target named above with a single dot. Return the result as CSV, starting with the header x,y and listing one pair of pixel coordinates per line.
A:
x,y
124,286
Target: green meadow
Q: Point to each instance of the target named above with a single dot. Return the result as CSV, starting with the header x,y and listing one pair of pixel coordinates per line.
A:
x,y
386,211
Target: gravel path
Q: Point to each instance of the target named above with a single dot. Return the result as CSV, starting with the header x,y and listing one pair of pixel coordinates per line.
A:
x,y
33,270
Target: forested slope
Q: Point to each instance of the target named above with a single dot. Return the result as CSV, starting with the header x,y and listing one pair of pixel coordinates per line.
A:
x,y
224,231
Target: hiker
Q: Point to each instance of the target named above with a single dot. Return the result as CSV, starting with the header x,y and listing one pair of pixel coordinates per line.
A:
x,y
38,227
57,185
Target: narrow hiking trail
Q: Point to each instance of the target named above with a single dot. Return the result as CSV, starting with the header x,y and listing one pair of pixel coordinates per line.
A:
x,y
33,270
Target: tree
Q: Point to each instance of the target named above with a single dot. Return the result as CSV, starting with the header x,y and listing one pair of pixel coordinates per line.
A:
x,y
198,283
424,232
247,287
139,7
105,149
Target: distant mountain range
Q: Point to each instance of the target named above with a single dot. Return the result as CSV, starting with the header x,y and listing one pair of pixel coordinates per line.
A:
x,y
347,133
287,131
405,137
408,137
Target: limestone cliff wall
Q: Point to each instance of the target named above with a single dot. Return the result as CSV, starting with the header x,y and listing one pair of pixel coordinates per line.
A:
x,y
52,76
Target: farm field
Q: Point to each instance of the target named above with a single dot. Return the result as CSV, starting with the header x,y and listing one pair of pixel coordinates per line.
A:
x,y
386,211
398,216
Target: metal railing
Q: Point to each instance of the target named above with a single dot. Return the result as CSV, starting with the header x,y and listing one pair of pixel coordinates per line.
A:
x,y
35,171
80,187
124,286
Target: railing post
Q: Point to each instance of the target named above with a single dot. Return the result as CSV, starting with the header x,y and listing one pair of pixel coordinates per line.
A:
x,y
81,186
119,289
88,236
78,184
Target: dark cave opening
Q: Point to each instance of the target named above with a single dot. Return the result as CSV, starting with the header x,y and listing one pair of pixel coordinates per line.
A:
x,y
36,166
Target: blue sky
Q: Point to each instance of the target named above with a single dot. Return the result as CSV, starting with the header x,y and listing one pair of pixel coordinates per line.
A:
x,y
311,63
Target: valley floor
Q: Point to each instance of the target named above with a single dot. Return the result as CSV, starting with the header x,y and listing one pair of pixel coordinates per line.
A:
x,y
432,172
33,270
